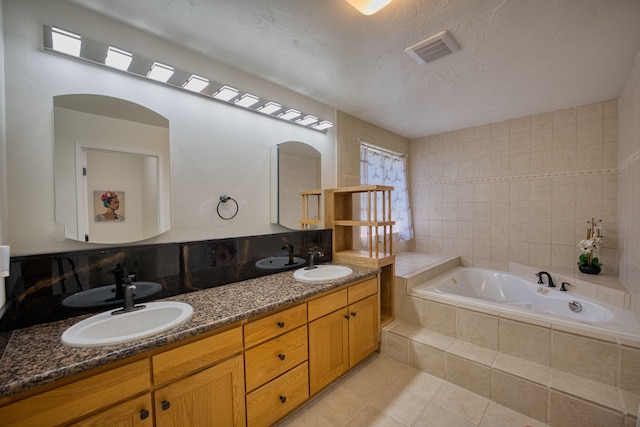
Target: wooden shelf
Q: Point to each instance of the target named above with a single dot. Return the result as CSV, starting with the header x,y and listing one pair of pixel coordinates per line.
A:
x,y
342,214
306,222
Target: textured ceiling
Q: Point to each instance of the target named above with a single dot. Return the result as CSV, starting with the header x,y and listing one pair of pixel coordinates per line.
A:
x,y
518,57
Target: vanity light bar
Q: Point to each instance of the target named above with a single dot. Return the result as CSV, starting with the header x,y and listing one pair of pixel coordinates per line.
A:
x,y
270,108
71,44
160,72
226,93
290,114
66,42
196,83
247,100
325,124
307,120
118,58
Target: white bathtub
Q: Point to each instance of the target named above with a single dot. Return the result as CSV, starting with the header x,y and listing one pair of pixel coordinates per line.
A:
x,y
511,294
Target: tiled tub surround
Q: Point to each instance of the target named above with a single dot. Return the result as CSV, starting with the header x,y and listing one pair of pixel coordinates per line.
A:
x,y
34,356
521,190
558,374
38,283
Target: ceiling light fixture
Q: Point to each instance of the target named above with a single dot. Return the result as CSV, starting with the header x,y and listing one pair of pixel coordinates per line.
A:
x,y
65,41
118,58
196,83
247,100
368,7
160,72
290,114
226,93
270,108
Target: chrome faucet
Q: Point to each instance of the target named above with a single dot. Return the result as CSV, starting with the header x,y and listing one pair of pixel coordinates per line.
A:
x,y
129,291
312,255
540,274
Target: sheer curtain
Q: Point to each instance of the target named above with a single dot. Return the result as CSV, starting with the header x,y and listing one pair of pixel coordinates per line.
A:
x,y
381,167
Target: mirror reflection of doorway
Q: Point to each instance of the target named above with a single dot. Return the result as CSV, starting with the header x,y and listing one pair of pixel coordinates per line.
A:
x,y
133,174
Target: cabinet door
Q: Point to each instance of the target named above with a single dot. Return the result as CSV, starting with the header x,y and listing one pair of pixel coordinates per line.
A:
x,y
328,349
363,329
135,412
213,397
78,399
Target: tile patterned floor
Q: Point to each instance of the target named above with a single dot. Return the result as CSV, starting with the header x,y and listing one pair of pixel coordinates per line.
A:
x,y
383,392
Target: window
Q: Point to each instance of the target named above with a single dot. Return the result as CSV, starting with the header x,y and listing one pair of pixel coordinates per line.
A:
x,y
381,167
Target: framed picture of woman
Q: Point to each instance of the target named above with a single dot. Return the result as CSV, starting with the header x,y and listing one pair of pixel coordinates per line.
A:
x,y
108,205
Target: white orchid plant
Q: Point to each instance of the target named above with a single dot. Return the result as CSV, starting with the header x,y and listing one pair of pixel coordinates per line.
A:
x,y
591,243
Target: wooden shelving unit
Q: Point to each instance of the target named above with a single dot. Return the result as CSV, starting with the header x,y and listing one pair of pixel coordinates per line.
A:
x,y
307,220
342,214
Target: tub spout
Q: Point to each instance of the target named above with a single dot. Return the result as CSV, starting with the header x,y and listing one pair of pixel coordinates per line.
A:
x,y
542,273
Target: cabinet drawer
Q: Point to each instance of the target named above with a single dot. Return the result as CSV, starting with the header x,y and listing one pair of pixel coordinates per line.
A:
x,y
363,290
278,398
196,355
274,357
72,401
327,304
271,326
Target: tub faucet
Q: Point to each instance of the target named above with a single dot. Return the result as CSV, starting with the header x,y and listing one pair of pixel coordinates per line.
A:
x,y
540,274
312,255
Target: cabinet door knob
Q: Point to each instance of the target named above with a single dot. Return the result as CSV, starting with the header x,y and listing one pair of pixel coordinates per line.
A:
x,y
165,405
346,316
281,356
281,324
353,313
144,414
283,399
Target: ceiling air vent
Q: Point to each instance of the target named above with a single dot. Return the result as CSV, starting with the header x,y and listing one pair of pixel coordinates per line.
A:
x,y
434,47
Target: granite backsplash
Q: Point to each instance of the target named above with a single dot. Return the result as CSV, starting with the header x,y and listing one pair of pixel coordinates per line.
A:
x,y
38,284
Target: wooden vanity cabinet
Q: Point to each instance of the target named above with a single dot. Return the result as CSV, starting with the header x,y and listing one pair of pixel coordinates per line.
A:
x,y
135,412
276,371
111,394
343,331
213,397
199,384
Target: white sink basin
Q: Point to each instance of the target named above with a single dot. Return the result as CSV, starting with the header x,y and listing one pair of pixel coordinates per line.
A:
x,y
279,263
104,296
108,329
322,273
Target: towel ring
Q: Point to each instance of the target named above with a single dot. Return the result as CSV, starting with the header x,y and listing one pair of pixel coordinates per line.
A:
x,y
224,199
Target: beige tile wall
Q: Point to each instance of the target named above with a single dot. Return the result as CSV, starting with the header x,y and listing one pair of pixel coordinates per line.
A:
x,y
351,131
629,185
519,190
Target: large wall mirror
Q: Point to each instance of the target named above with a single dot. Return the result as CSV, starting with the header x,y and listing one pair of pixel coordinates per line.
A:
x,y
295,167
112,182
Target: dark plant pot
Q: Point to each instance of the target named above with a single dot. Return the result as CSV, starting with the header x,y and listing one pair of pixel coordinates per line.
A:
x,y
589,268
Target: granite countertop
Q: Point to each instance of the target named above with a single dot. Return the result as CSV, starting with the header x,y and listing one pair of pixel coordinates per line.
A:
x,y
34,356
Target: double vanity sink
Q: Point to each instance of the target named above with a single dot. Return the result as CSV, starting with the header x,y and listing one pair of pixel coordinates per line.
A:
x,y
106,328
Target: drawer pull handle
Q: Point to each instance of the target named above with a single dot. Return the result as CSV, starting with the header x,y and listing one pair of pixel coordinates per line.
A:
x,y
283,399
281,324
281,356
165,405
144,414
353,313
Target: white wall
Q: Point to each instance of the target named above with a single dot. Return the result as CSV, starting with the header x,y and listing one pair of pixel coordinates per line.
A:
x,y
215,148
629,185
